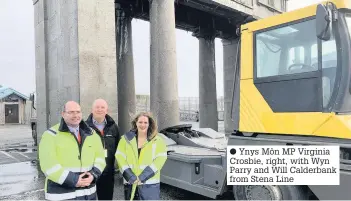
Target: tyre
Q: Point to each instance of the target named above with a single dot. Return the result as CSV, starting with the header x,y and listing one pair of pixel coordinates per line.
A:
x,y
269,193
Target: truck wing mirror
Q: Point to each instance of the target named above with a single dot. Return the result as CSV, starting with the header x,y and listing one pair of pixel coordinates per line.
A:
x,y
323,22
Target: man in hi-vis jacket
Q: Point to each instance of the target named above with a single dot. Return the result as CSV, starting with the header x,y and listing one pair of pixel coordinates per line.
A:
x,y
71,157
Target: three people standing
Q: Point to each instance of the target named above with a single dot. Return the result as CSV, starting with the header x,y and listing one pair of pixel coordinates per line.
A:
x,y
78,158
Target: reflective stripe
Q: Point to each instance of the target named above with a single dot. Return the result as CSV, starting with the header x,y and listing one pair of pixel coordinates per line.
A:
x,y
122,154
83,169
65,196
152,181
63,177
99,160
53,170
98,166
51,132
154,168
123,168
161,154
153,151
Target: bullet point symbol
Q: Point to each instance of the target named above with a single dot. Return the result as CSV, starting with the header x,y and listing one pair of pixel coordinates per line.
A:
x,y
233,151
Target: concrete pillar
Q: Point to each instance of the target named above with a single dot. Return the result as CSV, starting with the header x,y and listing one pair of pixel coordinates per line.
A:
x,y
154,59
163,64
229,64
75,56
41,65
125,69
207,82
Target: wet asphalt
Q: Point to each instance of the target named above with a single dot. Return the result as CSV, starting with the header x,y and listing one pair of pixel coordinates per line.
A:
x,y
24,181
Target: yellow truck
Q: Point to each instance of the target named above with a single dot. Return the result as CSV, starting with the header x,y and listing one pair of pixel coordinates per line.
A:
x,y
292,87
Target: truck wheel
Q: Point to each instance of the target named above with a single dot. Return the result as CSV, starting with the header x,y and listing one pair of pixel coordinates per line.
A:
x,y
269,193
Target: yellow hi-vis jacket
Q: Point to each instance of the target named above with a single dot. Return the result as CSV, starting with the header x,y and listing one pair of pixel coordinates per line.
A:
x,y
147,166
63,159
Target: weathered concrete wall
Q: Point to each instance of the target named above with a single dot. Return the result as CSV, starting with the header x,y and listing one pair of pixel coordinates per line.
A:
x,y
125,68
40,25
75,56
97,54
207,83
163,67
230,50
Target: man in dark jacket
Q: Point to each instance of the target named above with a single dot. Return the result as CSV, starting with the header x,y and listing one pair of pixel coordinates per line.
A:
x,y
108,131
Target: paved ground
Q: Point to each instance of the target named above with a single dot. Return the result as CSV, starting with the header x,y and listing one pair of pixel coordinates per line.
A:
x,y
15,135
21,179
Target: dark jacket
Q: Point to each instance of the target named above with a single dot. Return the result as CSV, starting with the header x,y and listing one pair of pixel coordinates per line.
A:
x,y
109,140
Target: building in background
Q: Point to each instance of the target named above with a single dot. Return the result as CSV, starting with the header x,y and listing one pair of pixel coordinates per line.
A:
x,y
12,106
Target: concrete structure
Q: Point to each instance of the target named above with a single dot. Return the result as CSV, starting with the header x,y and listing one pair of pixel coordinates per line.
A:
x,y
84,51
75,56
12,106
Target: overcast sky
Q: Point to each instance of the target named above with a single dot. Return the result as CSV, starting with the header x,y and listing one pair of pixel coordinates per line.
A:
x,y
17,54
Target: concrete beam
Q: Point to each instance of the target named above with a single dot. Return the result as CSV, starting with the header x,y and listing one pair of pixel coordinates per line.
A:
x,y
223,15
163,67
125,69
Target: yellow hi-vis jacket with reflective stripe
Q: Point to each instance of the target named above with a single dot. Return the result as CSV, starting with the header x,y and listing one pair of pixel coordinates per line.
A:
x,y
147,166
63,159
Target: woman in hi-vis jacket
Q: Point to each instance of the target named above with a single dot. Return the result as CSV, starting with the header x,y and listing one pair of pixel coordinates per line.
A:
x,y
140,155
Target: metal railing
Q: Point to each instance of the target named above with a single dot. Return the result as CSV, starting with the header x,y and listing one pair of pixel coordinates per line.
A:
x,y
188,107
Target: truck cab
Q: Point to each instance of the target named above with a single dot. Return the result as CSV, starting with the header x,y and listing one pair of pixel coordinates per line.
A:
x,y
294,86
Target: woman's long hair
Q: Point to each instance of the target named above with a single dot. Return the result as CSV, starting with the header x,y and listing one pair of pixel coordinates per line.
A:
x,y
152,129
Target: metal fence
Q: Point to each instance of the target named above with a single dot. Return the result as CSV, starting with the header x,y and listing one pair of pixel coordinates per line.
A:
x,y
188,107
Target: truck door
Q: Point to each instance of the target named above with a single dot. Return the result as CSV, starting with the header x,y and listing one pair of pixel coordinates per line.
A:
x,y
286,70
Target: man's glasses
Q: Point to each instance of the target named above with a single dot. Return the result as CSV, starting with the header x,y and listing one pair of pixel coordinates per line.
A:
x,y
72,112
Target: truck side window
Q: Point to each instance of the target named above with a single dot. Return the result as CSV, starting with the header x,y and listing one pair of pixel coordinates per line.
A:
x,y
281,50
329,64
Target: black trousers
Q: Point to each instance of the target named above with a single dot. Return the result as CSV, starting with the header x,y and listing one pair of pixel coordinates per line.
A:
x,y
105,185
128,192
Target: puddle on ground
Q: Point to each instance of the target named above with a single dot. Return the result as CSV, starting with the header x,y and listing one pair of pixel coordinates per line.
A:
x,y
16,178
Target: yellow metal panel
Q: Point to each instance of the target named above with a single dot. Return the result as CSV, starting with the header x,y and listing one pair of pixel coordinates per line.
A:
x,y
252,108
246,56
291,16
338,126
294,123
257,116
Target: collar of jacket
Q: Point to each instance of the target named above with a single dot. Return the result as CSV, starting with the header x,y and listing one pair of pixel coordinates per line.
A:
x,y
109,120
82,126
132,133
